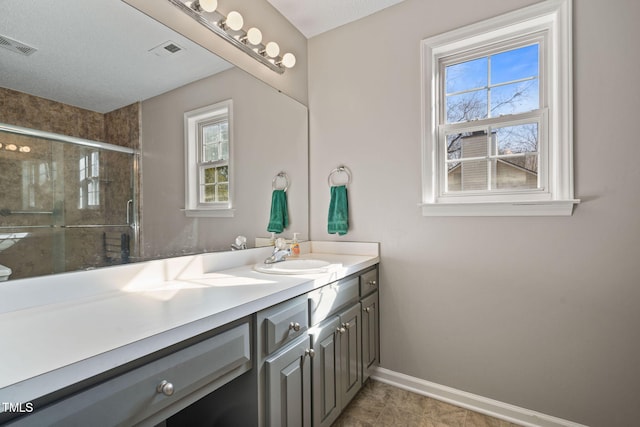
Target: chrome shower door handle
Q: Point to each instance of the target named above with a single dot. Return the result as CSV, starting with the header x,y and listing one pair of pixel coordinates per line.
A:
x,y
129,205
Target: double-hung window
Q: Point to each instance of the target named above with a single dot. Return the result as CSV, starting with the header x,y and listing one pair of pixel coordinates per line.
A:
x,y
89,180
208,160
497,116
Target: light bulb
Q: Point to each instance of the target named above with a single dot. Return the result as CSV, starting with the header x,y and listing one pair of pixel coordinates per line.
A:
x,y
11,147
288,60
272,49
254,36
25,149
234,21
208,5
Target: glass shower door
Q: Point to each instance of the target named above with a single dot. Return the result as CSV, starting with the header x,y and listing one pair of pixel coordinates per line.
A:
x,y
65,205
95,209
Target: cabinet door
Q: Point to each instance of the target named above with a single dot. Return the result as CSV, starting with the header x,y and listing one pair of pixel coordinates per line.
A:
x,y
288,386
350,356
369,334
324,375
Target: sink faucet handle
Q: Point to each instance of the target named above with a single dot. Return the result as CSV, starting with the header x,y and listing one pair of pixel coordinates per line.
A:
x,y
280,244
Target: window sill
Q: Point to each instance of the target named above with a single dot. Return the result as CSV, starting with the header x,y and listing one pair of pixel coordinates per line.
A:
x,y
209,213
533,208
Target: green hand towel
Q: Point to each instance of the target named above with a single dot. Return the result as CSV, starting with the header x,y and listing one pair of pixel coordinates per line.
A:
x,y
279,219
338,211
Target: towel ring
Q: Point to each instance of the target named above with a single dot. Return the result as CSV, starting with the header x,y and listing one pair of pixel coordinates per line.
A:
x,y
275,179
339,169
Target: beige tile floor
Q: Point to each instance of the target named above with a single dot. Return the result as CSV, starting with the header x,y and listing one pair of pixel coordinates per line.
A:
x,y
379,404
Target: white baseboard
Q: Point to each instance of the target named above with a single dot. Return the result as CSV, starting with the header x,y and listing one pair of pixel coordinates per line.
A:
x,y
473,402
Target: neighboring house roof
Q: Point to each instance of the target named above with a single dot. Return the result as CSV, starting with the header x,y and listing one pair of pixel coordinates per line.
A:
x,y
504,161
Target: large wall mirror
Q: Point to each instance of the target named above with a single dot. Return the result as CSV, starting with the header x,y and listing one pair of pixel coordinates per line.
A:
x,y
75,72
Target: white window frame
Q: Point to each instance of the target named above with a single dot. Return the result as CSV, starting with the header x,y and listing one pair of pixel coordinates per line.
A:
x,y
193,121
89,185
551,20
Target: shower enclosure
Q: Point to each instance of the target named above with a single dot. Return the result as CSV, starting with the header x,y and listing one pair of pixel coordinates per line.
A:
x,y
66,203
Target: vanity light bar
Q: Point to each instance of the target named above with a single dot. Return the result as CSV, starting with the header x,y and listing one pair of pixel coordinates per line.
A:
x,y
230,29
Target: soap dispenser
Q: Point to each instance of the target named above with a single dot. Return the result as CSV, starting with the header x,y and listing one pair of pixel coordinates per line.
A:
x,y
295,246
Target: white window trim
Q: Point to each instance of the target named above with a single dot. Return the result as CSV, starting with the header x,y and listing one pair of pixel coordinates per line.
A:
x,y
553,16
192,119
91,179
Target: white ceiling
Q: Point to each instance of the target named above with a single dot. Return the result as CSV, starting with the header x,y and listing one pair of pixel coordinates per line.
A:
x,y
95,54
313,17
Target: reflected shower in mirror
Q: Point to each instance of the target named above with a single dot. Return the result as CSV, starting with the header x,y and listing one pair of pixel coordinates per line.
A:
x,y
103,71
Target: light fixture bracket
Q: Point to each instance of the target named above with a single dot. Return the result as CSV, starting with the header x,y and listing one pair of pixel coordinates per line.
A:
x,y
235,41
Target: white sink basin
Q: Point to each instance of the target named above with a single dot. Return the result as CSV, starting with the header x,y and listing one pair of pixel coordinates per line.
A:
x,y
9,239
294,266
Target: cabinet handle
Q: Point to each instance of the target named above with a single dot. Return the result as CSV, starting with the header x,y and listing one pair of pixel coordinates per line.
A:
x,y
295,326
310,352
165,387
341,330
346,325
372,282
367,309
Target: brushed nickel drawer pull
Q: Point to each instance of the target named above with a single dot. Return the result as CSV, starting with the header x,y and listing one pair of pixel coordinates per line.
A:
x,y
165,387
295,326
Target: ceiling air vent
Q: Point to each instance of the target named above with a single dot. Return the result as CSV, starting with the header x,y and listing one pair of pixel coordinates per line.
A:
x,y
167,49
16,46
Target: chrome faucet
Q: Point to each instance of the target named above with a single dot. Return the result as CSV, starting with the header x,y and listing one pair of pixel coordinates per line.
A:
x,y
239,244
280,252
278,255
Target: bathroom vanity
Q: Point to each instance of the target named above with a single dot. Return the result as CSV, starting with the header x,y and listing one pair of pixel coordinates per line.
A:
x,y
165,341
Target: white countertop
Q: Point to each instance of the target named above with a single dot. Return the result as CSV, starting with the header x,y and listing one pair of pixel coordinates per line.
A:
x,y
62,329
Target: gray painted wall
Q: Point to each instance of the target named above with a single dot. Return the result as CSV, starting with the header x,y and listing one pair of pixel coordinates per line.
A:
x,y
537,312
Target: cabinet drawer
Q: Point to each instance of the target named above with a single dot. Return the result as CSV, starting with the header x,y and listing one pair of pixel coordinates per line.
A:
x,y
327,300
285,322
368,282
133,397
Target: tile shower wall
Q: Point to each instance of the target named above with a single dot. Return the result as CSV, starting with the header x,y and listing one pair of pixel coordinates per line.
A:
x,y
42,187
